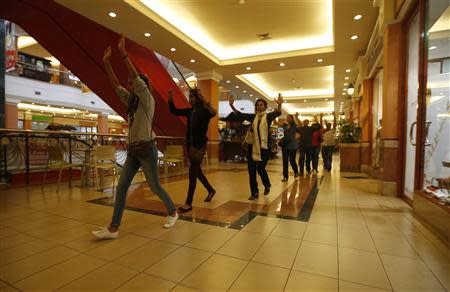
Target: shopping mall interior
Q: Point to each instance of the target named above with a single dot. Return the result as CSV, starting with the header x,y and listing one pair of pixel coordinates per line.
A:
x,y
377,71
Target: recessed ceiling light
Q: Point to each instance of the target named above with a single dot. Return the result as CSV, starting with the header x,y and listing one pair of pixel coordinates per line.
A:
x,y
248,68
192,61
237,86
282,64
147,34
345,84
112,14
251,94
347,78
432,48
304,100
173,49
244,91
228,81
348,70
343,93
357,17
353,37
320,60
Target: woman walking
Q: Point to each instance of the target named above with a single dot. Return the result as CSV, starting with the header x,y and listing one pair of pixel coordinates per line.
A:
x,y
142,151
289,148
258,150
198,117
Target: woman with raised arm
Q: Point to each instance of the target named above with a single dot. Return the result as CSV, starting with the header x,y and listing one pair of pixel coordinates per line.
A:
x,y
289,148
198,117
259,146
142,151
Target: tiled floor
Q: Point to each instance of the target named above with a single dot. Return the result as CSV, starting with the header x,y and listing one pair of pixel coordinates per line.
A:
x,y
355,240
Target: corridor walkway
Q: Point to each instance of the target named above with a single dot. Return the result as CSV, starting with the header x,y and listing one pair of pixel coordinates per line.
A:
x,y
351,239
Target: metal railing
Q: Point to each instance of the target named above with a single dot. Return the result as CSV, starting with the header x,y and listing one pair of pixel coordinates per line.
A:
x,y
24,152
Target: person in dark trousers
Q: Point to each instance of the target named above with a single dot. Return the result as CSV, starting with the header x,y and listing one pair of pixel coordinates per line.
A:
x,y
304,145
259,148
315,143
198,117
289,148
328,143
141,107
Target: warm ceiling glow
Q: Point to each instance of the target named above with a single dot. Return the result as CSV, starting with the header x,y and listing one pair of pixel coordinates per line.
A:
x,y
251,94
49,109
173,49
185,23
345,84
348,70
244,91
112,14
354,37
347,78
357,17
55,62
237,86
282,64
343,93
116,118
228,81
192,61
320,60
248,68
147,34
25,41
443,23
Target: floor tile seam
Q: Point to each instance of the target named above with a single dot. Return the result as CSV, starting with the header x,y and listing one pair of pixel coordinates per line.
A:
x,y
46,268
296,254
337,234
222,245
379,258
365,284
111,242
11,285
30,255
250,260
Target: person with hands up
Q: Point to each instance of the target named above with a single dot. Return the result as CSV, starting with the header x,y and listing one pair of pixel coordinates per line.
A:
x,y
259,142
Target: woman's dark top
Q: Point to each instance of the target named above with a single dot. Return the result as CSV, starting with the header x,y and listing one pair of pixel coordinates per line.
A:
x,y
270,117
197,124
289,136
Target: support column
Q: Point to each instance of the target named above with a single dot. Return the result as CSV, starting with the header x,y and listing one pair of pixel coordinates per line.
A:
x,y
365,121
11,115
27,120
208,82
393,96
2,74
102,124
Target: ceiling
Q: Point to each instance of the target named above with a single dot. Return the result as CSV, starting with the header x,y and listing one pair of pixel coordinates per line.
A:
x,y
222,36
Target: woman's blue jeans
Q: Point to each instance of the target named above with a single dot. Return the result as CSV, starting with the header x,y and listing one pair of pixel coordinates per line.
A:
x,y
150,167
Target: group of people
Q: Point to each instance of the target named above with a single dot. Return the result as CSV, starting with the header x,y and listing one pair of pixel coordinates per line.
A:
x,y
142,151
312,139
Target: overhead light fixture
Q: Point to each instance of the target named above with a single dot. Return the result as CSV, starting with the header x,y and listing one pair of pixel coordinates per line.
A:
x,y
282,64
353,37
251,94
347,78
357,17
112,14
192,61
147,34
319,60
237,86
248,68
432,48
244,91
304,100
228,81
350,89
345,84
173,49
326,99
343,93
348,70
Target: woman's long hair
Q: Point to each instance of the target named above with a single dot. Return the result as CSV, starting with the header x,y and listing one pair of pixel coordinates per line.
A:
x,y
198,97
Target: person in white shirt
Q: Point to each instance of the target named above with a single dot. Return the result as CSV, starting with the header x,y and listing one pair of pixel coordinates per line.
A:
x,y
328,144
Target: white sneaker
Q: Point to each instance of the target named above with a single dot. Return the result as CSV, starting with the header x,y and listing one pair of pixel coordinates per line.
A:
x,y
104,233
171,220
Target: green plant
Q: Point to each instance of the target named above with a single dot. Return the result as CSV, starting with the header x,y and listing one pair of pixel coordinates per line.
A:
x,y
349,132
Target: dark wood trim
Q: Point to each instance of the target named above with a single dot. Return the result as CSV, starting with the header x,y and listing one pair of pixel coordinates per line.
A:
x,y
433,200
408,200
421,109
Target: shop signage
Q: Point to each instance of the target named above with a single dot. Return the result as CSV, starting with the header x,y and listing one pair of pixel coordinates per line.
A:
x,y
10,46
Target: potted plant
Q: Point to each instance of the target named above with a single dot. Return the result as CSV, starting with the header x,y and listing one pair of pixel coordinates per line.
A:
x,y
349,146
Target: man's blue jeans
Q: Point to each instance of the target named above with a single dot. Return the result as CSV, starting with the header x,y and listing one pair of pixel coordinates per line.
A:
x,y
150,167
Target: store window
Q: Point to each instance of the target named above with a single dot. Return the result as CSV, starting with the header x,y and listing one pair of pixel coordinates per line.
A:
x,y
437,124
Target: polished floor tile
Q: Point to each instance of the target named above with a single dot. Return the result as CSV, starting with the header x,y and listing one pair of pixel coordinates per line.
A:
x,y
184,233
301,281
345,286
243,245
143,282
321,233
277,251
118,247
260,277
317,258
179,264
212,239
216,274
290,229
362,267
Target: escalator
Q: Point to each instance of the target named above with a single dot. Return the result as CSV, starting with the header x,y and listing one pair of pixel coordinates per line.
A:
x,y
79,44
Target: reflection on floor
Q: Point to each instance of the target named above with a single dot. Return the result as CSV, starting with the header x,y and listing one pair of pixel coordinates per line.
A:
x,y
230,207
354,240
